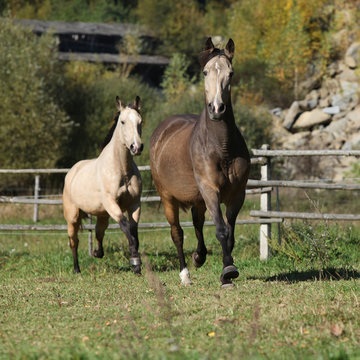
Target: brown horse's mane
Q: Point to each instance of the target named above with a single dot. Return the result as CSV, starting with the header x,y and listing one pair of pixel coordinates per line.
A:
x,y
208,54
113,126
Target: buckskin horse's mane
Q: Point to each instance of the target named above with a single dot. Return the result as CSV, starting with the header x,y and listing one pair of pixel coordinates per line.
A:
x,y
113,126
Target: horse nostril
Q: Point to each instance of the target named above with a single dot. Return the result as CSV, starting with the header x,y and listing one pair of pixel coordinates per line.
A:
x,y
141,147
221,108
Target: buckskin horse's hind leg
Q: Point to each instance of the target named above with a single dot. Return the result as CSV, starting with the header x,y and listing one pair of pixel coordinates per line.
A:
x,y
73,228
101,225
172,215
198,215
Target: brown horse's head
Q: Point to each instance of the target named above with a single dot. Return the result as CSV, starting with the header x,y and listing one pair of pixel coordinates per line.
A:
x,y
217,69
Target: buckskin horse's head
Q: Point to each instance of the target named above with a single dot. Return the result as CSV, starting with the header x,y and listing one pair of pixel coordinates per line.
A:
x,y
217,70
129,123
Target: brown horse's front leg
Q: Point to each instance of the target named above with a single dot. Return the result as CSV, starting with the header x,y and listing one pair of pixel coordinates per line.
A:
x,y
172,214
223,234
198,215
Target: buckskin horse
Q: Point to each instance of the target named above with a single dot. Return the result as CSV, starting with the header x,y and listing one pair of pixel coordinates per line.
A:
x,y
203,161
109,185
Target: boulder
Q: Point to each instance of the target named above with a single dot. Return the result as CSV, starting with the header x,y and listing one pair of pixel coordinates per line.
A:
x,y
296,141
310,119
353,143
353,53
348,75
323,103
337,128
350,62
332,110
292,115
354,115
346,96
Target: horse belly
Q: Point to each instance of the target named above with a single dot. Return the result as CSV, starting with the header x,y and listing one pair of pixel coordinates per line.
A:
x,y
170,161
84,188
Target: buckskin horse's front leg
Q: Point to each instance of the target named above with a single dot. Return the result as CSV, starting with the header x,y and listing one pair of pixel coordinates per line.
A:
x,y
115,212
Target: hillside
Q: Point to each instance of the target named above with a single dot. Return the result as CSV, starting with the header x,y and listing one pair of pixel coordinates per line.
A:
x,y
328,117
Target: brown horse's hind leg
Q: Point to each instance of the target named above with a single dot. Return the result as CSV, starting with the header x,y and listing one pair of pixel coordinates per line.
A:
x,y
101,225
172,215
198,215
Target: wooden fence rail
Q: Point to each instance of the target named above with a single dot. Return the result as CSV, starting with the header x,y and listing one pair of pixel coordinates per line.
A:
x,y
265,217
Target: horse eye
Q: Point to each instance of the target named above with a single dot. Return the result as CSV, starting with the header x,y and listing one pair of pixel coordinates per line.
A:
x,y
205,72
122,122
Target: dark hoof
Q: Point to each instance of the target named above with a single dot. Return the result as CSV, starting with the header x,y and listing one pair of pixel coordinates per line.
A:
x,y
137,269
98,253
77,271
198,260
228,273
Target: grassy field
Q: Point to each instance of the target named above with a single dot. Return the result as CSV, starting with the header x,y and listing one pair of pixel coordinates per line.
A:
x,y
301,304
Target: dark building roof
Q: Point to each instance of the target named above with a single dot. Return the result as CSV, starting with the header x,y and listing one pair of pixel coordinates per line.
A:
x,y
60,27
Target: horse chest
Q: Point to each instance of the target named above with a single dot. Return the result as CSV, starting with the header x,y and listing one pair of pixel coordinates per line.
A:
x,y
129,188
233,172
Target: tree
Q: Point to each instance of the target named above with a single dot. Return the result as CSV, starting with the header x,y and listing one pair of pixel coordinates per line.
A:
x,y
179,24
33,123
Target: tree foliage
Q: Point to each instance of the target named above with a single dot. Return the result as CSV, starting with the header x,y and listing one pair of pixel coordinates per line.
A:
x,y
33,122
73,10
179,24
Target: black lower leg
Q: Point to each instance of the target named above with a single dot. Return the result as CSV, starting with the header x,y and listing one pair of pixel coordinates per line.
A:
x,y
130,231
199,257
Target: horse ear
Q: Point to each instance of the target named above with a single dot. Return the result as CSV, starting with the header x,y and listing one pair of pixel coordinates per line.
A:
x,y
137,103
230,49
119,104
209,44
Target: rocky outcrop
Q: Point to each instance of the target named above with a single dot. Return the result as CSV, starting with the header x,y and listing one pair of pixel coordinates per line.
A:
x,y
327,118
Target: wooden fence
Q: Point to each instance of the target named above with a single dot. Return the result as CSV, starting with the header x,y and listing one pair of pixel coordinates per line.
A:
x,y
264,217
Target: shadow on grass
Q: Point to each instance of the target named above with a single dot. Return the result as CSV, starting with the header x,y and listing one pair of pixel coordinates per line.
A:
x,y
312,275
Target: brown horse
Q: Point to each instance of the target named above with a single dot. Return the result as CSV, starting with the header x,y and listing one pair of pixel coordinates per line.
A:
x,y
109,185
202,161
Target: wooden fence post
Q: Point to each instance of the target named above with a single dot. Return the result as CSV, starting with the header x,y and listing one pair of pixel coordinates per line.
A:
x,y
36,197
265,205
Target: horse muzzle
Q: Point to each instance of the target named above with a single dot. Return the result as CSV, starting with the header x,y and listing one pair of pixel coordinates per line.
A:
x,y
135,149
216,112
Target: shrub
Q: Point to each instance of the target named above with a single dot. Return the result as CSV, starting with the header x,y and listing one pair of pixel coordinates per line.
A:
x,y
33,122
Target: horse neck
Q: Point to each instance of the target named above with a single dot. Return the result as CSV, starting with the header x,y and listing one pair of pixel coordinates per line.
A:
x,y
224,130
119,154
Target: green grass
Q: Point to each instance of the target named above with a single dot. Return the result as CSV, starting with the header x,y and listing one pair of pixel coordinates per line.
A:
x,y
290,307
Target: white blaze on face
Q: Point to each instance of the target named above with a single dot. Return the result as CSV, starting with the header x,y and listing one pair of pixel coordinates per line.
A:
x,y
217,99
130,120
134,118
